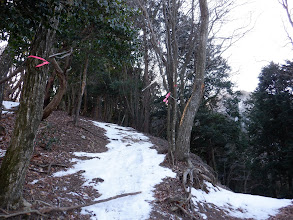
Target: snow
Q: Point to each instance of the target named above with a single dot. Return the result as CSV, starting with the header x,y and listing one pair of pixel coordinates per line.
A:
x,y
240,205
8,105
129,165
2,153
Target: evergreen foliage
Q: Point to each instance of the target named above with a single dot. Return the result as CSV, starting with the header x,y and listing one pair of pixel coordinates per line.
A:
x,y
270,130
217,135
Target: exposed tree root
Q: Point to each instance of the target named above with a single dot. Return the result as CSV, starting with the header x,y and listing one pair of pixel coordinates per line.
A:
x,y
195,176
48,209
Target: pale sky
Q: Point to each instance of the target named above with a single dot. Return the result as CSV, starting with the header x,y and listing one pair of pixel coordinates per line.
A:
x,y
266,42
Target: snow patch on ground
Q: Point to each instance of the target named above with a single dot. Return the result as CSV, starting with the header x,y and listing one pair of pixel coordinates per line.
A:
x,y
2,153
8,105
240,205
129,165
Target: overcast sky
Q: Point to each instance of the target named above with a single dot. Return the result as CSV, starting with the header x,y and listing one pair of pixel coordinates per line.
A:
x,y
266,42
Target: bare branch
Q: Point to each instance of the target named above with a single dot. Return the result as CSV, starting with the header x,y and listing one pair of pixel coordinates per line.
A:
x,y
66,53
62,209
56,66
154,39
15,72
285,5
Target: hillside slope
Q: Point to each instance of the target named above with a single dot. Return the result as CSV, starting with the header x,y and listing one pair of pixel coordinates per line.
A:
x,y
93,161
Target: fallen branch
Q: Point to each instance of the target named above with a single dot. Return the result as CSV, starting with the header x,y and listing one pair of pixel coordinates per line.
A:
x,y
64,209
50,165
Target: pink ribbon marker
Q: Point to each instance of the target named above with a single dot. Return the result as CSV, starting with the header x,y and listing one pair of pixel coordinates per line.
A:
x,y
166,99
40,58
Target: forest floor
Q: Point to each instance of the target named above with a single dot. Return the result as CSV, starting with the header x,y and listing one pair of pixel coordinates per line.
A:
x,y
55,144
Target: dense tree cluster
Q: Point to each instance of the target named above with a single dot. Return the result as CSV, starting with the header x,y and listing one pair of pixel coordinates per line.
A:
x,y
72,36
270,121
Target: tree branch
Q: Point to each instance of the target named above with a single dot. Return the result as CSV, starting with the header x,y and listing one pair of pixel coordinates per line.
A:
x,y
62,209
15,72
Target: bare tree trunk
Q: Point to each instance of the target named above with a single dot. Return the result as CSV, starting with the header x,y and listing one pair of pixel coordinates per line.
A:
x,y
62,76
72,100
174,67
19,153
98,108
190,110
85,106
146,97
5,64
49,86
83,84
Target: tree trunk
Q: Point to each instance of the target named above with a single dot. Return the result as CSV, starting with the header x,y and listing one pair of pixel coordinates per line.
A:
x,y
49,86
84,111
146,96
83,84
97,114
190,110
5,64
62,76
72,100
19,153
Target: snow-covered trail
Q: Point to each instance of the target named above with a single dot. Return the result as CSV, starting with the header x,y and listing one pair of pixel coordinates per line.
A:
x,y
130,165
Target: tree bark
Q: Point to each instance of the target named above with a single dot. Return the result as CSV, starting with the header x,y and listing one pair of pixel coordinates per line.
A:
x,y
190,110
62,76
5,64
19,153
49,87
146,97
83,84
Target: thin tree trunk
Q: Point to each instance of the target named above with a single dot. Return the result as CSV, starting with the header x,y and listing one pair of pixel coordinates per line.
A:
x,y
246,180
174,68
62,76
49,86
72,102
83,84
61,91
190,110
19,153
146,97
84,111
5,64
